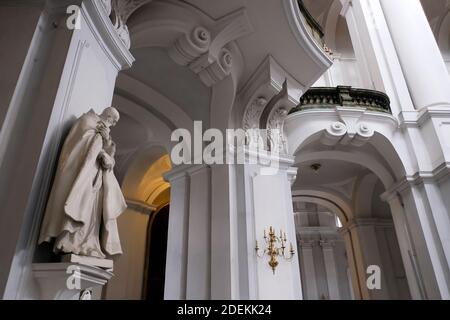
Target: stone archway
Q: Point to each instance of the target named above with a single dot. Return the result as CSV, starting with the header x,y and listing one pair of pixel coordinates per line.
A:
x,y
326,261
147,194
367,229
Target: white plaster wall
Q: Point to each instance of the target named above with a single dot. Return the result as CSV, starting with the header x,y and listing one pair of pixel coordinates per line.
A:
x,y
127,282
343,72
445,192
14,50
268,212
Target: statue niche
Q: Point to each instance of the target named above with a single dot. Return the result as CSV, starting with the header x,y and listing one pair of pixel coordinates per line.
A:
x,y
86,198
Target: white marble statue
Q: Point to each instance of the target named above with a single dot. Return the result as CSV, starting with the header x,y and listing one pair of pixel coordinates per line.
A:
x,y
86,198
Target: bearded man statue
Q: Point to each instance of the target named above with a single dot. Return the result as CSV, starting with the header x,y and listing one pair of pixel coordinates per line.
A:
x,y
86,198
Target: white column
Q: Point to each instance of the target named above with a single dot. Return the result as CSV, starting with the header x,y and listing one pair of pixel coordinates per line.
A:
x,y
415,281
377,60
268,202
354,264
418,52
370,255
198,282
176,258
433,266
440,224
330,268
309,273
188,262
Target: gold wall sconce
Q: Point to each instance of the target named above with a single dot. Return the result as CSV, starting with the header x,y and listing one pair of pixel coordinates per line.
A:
x,y
275,247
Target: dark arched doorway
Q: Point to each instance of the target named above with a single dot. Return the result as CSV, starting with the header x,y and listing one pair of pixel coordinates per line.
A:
x,y
155,264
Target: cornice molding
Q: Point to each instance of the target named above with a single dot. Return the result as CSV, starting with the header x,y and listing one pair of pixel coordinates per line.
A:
x,y
364,222
140,206
437,175
184,171
418,118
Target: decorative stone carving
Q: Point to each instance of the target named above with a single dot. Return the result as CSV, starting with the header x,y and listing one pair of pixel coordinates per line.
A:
x,y
354,133
86,198
278,141
265,101
124,35
191,46
206,53
253,112
217,70
120,12
125,8
334,133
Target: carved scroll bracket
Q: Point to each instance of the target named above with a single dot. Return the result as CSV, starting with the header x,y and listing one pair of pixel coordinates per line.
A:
x,y
205,49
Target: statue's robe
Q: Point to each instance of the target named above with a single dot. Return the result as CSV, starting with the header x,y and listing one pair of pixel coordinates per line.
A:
x,y
85,200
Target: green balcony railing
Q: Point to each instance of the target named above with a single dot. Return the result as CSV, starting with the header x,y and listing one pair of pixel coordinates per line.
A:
x,y
330,97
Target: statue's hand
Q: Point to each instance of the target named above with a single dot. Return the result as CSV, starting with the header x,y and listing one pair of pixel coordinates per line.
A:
x,y
104,131
106,161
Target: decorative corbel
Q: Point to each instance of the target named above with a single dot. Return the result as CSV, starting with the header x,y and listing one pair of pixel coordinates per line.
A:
x,y
190,46
267,98
205,50
333,134
338,132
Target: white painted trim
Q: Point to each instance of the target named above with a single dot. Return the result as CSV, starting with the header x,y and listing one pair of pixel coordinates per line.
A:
x,y
106,35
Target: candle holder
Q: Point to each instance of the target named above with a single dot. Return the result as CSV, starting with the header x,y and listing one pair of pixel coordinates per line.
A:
x,y
275,248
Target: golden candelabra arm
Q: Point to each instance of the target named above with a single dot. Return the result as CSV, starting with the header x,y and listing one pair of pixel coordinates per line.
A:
x,y
275,247
257,250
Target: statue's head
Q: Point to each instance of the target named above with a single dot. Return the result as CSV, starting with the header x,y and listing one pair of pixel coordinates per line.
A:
x,y
110,116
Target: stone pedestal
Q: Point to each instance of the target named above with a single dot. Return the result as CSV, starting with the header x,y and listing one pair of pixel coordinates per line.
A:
x,y
69,281
106,264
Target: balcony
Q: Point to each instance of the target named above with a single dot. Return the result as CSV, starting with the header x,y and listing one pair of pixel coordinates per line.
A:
x,y
327,98
314,28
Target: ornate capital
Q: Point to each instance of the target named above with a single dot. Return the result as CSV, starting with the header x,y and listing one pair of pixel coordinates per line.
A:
x,y
278,140
253,112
